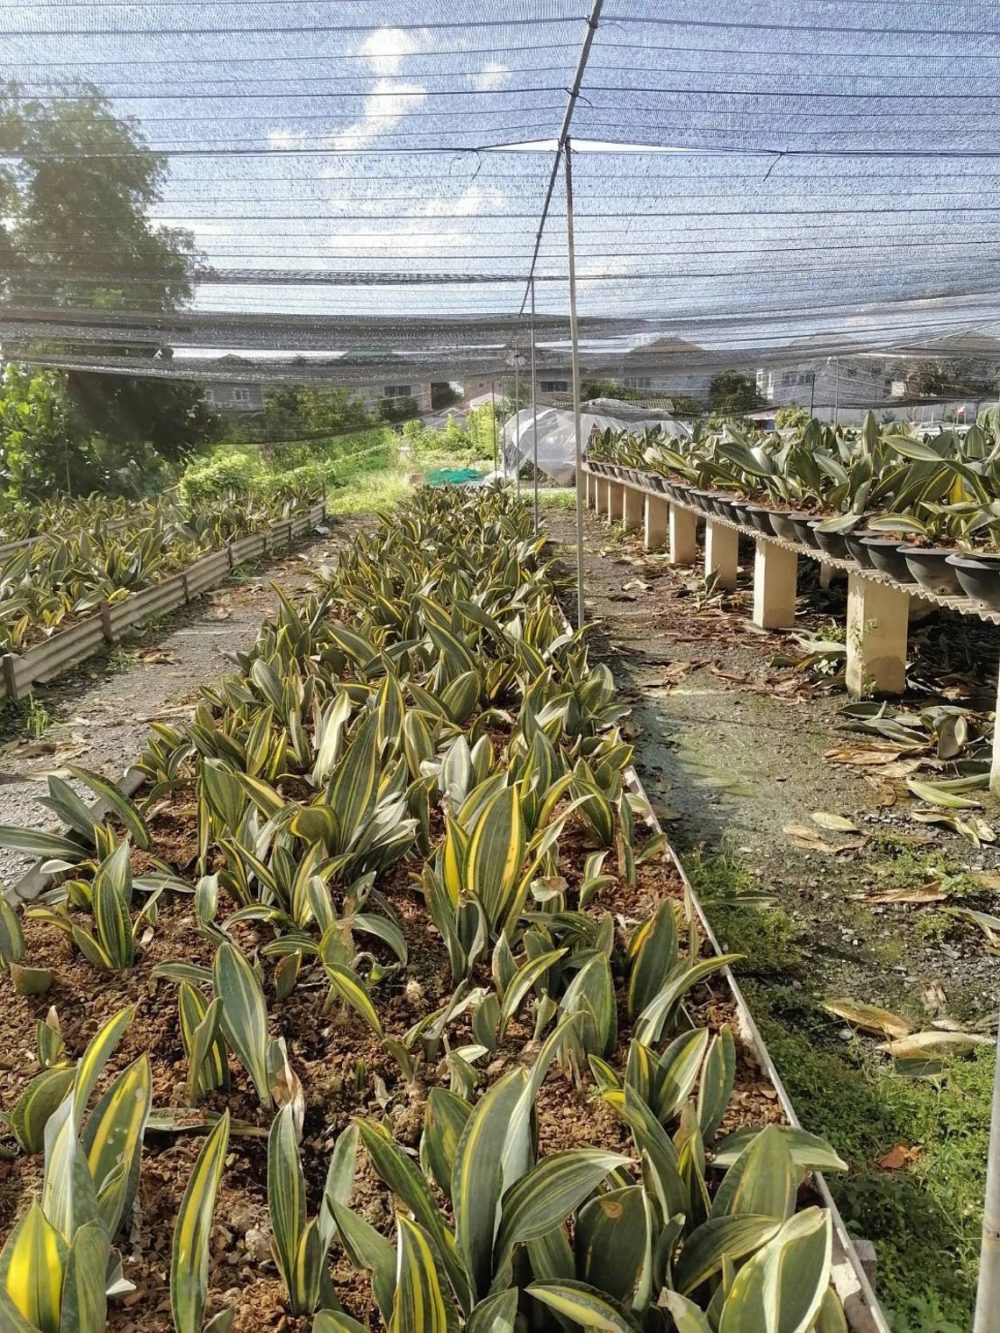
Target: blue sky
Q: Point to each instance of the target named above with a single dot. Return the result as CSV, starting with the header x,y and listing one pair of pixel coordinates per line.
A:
x,y
821,167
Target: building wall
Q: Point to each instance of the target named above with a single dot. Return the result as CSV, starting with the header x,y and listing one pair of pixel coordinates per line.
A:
x,y
401,388
857,384
235,397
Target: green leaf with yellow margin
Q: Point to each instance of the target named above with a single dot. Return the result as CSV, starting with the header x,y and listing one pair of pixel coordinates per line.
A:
x,y
190,1252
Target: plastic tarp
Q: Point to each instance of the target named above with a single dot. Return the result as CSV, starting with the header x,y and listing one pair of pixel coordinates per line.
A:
x,y
557,433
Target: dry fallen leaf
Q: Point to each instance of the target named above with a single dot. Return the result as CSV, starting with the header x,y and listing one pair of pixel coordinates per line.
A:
x,y
869,1018
899,1157
807,839
665,814
927,893
836,823
934,999
922,1044
862,755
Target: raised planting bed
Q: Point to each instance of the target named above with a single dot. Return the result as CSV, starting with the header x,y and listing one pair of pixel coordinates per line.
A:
x,y
878,604
447,999
68,647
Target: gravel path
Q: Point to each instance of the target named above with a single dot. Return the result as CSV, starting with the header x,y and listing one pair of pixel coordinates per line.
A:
x,y
99,715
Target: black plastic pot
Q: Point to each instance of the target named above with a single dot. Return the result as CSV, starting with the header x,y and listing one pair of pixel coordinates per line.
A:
x,y
977,579
887,556
740,512
930,567
660,483
857,548
804,530
760,519
833,543
782,525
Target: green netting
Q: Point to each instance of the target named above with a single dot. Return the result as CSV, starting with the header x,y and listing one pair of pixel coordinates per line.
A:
x,y
453,476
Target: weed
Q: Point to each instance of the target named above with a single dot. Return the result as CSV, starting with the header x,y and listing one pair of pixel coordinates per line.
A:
x,y
932,928
38,719
122,659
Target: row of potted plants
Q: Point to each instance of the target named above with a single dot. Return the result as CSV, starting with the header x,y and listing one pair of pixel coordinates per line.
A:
x,y
923,509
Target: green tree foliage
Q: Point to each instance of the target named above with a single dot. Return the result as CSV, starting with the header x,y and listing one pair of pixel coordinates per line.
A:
x,y
792,416
731,391
75,234
293,412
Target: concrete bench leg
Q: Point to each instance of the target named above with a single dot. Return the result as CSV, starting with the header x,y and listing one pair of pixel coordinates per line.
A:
x,y
607,500
632,508
721,553
683,535
655,529
775,571
995,769
877,624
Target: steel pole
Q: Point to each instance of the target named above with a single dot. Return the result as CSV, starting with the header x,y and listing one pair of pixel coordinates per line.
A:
x,y
575,339
493,407
836,391
988,1291
517,425
534,405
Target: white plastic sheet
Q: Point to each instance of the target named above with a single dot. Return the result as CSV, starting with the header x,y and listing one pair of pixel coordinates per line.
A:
x,y
557,439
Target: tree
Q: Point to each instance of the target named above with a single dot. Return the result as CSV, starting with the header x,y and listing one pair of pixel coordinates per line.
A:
x,y
732,392
792,416
75,235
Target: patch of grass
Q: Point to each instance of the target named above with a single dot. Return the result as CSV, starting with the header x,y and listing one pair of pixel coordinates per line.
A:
x,y
762,931
366,492
557,499
924,1219
900,864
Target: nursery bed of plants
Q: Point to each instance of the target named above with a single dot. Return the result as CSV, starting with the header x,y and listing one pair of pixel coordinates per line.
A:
x,y
87,557
375,1006
924,509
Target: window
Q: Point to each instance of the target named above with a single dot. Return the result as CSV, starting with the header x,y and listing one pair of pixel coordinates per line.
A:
x,y
241,395
638,382
553,386
397,391
789,377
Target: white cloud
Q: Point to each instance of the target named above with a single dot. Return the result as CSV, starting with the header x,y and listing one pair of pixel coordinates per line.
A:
x,y
493,75
387,48
384,107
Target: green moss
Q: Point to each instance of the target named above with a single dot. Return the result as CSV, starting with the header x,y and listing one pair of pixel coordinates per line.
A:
x,y
762,931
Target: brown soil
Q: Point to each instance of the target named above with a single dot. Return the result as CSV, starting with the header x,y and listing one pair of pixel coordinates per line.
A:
x,y
345,1072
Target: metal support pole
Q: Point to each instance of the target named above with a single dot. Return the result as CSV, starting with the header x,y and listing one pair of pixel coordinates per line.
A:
x,y
493,403
517,425
836,391
534,405
988,1292
575,340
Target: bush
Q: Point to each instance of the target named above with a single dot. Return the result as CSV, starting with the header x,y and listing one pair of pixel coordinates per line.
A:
x,y
229,473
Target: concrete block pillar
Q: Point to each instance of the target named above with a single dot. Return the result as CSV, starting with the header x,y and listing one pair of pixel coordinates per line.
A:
x,y
655,526
775,571
632,507
683,535
616,500
995,768
604,501
721,553
877,624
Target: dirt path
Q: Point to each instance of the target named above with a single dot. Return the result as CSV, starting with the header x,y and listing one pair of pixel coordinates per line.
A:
x,y
99,715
